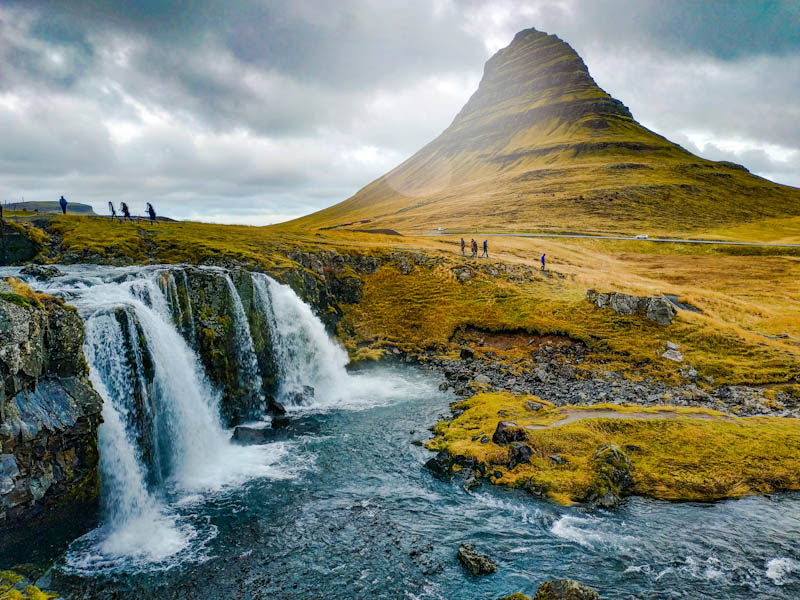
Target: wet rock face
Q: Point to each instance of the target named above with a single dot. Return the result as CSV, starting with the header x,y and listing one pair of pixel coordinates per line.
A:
x,y
475,562
49,413
41,272
16,246
565,589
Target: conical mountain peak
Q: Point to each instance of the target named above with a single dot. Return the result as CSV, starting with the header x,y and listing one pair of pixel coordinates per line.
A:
x,y
540,146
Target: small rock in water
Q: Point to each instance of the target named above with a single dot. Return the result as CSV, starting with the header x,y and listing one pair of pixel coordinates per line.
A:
x,y
565,589
475,562
274,407
250,435
280,421
443,386
41,272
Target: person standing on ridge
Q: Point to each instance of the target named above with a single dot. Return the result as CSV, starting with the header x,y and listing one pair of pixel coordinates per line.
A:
x,y
543,255
485,249
151,212
113,211
463,247
473,245
126,214
63,203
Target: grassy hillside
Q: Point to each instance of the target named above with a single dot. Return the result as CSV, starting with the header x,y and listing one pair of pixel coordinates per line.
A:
x,y
540,146
748,331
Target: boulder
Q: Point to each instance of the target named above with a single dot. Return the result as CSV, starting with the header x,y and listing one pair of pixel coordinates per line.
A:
x,y
508,432
624,304
274,407
280,421
565,589
516,596
439,465
250,435
484,379
467,353
660,310
673,355
613,477
41,272
518,453
532,406
475,562
463,274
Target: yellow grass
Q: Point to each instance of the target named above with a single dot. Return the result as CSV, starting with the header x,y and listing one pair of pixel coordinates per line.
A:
x,y
680,457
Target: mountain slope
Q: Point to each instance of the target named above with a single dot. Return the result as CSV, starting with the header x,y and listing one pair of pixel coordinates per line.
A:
x,y
540,146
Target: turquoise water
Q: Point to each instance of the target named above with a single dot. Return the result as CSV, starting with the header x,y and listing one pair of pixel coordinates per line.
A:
x,y
359,517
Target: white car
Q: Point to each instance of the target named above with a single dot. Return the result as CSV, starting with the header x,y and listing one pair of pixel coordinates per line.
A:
x,y
440,229
641,236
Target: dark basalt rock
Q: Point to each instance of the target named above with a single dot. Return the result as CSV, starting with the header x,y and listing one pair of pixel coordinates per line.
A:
x,y
251,435
440,464
518,453
475,562
508,432
49,413
41,272
467,353
280,422
565,589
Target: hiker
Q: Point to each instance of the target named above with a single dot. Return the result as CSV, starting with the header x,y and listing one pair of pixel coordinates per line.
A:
x,y
126,214
485,249
543,255
63,202
463,247
113,211
474,247
151,212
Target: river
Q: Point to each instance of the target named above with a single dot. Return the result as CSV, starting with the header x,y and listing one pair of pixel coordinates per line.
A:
x,y
338,505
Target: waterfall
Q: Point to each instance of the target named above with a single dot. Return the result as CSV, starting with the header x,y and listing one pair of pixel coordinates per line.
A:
x,y
249,371
304,353
192,450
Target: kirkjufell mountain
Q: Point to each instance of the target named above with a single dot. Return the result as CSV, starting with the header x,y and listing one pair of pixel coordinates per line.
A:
x,y
539,146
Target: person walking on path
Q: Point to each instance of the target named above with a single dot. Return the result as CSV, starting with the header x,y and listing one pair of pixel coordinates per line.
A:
x,y
151,212
485,249
113,211
126,214
63,203
463,247
474,247
543,255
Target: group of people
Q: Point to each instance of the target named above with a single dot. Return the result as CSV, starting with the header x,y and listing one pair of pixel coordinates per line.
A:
x,y
126,213
474,248
123,208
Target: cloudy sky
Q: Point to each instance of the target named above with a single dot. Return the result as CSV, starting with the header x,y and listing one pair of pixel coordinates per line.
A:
x,y
256,111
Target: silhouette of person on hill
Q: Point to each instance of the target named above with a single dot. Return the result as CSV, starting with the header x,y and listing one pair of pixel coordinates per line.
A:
x,y
543,255
126,214
485,249
151,212
63,203
113,211
463,247
474,247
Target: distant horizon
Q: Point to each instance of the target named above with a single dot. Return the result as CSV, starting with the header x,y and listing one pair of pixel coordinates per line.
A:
x,y
262,116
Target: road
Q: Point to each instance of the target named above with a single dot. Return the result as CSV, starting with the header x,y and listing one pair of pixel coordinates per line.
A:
x,y
609,237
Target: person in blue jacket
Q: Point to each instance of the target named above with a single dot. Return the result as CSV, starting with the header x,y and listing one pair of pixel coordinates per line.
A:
x,y
485,249
63,203
543,255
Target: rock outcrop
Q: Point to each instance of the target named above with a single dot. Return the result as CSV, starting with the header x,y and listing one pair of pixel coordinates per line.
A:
x,y
565,589
49,412
655,308
475,562
613,477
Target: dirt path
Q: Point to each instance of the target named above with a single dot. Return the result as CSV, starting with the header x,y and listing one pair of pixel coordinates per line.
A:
x,y
573,415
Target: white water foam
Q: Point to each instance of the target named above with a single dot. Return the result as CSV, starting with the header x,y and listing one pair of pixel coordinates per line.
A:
x,y
783,570
136,526
307,356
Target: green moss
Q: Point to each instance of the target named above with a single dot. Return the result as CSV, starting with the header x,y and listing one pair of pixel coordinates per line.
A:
x,y
8,579
685,454
15,299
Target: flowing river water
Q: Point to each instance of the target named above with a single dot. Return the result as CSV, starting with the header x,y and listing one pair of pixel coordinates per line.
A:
x,y
338,504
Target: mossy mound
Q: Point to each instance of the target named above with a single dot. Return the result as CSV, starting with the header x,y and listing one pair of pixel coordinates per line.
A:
x,y
579,453
12,587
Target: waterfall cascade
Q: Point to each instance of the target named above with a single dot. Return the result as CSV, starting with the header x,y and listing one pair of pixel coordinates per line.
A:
x,y
162,437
